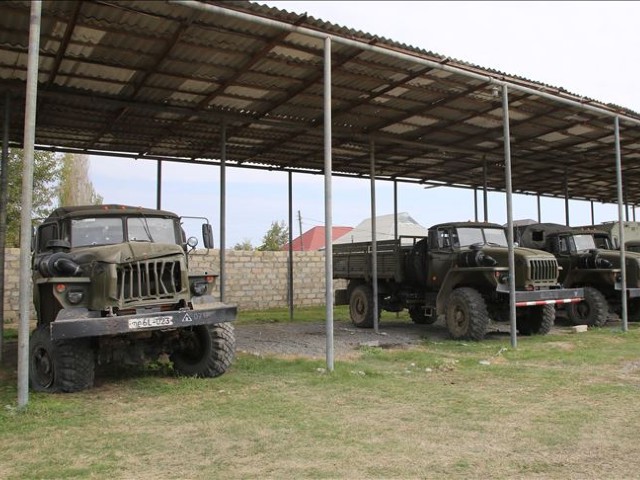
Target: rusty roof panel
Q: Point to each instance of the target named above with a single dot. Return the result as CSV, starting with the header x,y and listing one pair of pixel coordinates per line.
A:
x,y
159,79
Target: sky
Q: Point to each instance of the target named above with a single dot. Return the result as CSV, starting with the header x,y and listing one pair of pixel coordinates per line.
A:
x,y
588,48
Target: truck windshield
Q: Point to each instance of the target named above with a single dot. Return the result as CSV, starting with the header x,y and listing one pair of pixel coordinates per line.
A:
x,y
96,231
151,229
109,230
584,242
470,236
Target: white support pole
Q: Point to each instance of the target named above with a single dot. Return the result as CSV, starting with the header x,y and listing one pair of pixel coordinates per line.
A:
x,y
27,204
374,234
223,212
507,174
328,203
623,265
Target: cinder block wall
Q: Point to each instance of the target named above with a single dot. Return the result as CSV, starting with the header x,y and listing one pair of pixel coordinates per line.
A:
x,y
255,280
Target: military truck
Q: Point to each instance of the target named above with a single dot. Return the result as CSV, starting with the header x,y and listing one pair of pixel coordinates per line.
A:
x,y
597,270
606,234
459,271
111,284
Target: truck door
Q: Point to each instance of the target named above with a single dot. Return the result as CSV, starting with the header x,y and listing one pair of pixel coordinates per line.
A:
x,y
442,242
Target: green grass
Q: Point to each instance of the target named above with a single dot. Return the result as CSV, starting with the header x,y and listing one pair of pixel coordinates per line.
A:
x,y
10,333
559,406
300,315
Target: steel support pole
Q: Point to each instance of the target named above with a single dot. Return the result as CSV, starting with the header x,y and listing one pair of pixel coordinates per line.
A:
x,y
395,210
159,185
623,265
290,291
328,203
374,235
485,193
475,203
27,204
566,198
539,209
223,212
4,198
507,175
593,217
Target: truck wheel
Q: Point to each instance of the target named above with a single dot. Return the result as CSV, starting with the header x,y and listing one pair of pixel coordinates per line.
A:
x,y
416,312
466,314
361,306
66,366
206,350
536,320
592,311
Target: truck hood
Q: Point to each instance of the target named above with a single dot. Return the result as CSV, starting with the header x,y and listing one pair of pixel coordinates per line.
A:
x,y
125,252
500,253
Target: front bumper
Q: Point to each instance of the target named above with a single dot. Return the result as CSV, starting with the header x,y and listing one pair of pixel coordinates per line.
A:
x,y
82,323
545,297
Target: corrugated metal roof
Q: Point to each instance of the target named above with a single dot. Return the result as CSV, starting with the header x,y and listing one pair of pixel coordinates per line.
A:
x,y
158,80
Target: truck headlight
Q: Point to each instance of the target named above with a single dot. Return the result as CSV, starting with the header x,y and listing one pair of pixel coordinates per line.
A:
x,y
199,288
75,296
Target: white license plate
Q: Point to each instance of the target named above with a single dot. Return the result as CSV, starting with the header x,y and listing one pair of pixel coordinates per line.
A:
x,y
149,322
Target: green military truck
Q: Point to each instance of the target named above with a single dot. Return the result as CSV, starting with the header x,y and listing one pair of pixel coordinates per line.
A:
x,y
459,272
606,235
596,270
111,284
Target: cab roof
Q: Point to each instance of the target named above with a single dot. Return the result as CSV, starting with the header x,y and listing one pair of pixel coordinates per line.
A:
x,y
106,210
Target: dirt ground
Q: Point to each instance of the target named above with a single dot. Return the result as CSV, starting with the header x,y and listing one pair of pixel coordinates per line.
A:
x,y
310,340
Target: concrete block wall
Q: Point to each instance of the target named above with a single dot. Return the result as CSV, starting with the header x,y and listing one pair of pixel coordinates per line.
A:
x,y
255,280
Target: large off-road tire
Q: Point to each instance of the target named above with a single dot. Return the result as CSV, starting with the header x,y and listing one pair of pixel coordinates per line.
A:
x,y
207,350
536,320
416,312
63,366
466,314
361,306
592,311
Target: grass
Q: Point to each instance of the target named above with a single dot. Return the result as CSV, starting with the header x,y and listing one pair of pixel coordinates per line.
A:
x,y
300,315
10,333
561,406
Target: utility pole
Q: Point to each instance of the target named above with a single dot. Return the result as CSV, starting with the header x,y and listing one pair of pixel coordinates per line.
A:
x,y
300,227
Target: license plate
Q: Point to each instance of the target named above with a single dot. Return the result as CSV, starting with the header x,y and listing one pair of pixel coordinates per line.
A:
x,y
149,322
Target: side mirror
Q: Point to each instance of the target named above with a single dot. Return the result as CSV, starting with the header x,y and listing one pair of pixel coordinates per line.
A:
x,y
207,235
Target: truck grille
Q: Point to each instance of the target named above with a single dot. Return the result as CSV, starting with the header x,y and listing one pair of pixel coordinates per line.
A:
x,y
544,269
148,280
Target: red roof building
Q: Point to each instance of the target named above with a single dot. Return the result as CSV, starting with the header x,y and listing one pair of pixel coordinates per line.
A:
x,y
314,238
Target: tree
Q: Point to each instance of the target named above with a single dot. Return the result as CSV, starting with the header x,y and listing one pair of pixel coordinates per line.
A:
x,y
275,238
75,187
244,245
46,176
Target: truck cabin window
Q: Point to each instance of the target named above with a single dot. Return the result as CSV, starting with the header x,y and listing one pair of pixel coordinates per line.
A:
x,y
111,230
96,231
471,236
584,243
151,229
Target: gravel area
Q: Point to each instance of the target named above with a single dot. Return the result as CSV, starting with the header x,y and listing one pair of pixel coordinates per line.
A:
x,y
310,340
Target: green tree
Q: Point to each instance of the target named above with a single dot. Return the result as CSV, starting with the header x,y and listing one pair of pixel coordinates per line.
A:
x,y
275,238
75,187
46,177
244,245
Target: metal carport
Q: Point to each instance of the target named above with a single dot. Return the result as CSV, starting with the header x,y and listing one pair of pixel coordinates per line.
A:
x,y
240,84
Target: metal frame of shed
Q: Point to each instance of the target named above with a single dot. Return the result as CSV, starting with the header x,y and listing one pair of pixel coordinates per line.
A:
x,y
244,85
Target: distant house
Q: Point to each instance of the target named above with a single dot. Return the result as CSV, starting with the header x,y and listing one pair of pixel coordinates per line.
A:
x,y
314,238
385,226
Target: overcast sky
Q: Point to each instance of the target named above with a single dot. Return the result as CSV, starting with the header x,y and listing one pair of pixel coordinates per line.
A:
x,y
588,48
